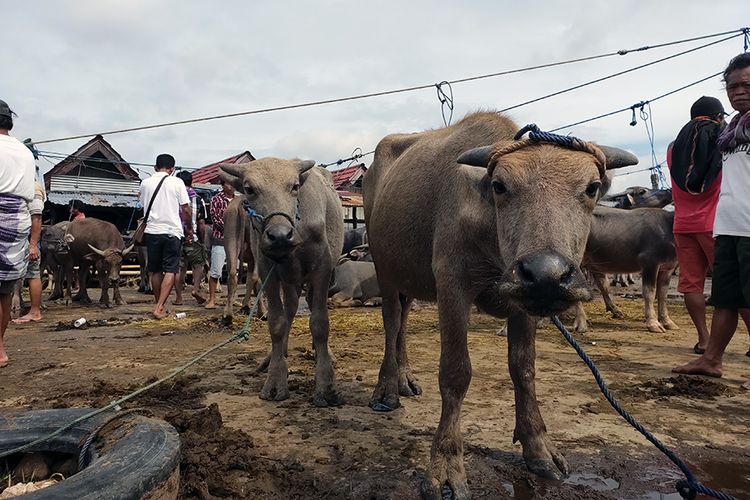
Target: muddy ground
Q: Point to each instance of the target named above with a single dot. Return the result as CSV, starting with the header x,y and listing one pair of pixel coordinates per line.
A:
x,y
238,446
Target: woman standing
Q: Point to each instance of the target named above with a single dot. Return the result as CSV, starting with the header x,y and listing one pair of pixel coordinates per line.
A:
x,y
730,290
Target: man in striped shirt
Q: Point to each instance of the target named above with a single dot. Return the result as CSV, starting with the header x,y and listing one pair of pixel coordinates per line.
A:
x,y
193,252
219,204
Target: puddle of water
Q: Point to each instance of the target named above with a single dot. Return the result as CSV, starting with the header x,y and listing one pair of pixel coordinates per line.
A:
x,y
729,477
593,481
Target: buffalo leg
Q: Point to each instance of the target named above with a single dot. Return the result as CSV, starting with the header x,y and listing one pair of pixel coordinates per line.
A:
x,y
326,393
407,382
541,456
649,276
276,386
601,283
104,283
232,251
581,324
83,275
662,288
385,396
446,458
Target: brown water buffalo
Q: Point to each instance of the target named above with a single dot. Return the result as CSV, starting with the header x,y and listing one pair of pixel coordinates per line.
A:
x,y
507,236
99,243
240,244
638,197
301,229
354,284
629,241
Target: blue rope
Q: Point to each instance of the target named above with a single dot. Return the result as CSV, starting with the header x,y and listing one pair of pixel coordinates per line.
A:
x,y
537,135
688,487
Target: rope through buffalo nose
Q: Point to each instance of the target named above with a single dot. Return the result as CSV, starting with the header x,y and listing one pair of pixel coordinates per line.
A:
x,y
254,216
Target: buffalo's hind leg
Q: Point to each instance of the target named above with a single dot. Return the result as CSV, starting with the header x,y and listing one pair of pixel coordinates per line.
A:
x,y
541,456
385,397
407,382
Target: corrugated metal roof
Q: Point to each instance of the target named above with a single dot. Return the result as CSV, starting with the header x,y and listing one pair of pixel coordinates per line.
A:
x,y
97,185
348,175
210,173
94,199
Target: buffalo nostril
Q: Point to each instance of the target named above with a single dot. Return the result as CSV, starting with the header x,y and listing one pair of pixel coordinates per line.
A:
x,y
567,276
525,273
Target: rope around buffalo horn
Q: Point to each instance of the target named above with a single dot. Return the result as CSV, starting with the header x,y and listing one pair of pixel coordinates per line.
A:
x,y
537,136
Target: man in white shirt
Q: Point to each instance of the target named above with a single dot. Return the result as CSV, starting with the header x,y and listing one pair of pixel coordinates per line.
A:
x,y
168,223
16,191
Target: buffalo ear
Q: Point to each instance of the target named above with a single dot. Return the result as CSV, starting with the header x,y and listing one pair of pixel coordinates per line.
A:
x,y
231,173
618,158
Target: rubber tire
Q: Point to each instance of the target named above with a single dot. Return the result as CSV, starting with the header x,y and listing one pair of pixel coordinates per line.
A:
x,y
140,456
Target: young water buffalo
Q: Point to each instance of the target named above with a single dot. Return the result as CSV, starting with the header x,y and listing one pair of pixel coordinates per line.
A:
x,y
507,237
240,243
301,230
629,241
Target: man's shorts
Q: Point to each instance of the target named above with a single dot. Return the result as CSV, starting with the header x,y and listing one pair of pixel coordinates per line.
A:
x,y
695,255
193,255
33,269
218,259
7,287
163,253
731,275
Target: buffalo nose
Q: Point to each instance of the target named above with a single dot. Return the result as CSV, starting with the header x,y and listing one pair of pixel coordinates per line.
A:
x,y
545,268
279,234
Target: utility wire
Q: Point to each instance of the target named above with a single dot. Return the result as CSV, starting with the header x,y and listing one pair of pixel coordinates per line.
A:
x,y
737,32
619,73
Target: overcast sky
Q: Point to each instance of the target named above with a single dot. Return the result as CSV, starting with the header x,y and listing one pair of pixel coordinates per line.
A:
x,y
89,66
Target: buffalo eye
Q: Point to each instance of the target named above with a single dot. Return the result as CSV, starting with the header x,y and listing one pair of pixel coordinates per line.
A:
x,y
295,188
248,189
499,187
593,189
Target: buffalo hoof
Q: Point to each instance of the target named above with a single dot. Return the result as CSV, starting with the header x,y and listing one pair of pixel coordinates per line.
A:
x,y
669,324
383,400
274,392
245,310
407,384
226,320
548,469
105,305
655,327
330,397
618,314
431,491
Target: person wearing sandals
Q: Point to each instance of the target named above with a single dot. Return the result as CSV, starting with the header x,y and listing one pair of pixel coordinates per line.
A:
x,y
167,222
730,290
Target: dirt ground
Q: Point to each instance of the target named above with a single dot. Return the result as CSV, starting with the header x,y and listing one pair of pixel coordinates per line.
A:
x,y
237,446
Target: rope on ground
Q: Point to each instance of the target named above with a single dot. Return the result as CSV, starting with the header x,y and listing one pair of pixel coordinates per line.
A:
x,y
243,334
735,33
688,487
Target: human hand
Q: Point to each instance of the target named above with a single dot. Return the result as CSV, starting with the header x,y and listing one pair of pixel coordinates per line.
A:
x,y
34,253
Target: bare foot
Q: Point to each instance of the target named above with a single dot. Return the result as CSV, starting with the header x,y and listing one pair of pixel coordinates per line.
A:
x,y
699,366
177,302
27,319
3,360
160,313
211,305
746,385
200,299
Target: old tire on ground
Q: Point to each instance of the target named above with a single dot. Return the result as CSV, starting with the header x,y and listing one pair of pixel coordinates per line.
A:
x,y
132,457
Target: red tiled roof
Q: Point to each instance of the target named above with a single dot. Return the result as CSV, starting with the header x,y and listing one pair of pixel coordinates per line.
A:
x,y
210,173
347,175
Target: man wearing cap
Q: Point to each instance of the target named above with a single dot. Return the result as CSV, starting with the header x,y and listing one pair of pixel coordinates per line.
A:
x,y
695,164
16,192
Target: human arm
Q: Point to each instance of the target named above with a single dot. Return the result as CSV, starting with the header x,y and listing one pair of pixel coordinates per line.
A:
x,y
36,232
187,226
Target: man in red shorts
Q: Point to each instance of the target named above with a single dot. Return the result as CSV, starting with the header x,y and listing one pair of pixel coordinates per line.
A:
x,y
696,183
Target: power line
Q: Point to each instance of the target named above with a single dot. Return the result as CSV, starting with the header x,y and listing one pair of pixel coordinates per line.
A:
x,y
619,73
738,32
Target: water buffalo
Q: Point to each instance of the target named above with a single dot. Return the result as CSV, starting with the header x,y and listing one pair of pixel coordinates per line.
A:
x,y
240,241
97,242
629,241
55,254
354,238
638,197
354,284
301,229
467,215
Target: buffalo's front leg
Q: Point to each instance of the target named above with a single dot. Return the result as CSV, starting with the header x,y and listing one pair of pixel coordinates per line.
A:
x,y
447,455
326,392
541,456
276,386
662,289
